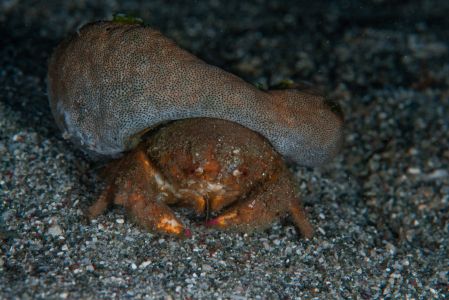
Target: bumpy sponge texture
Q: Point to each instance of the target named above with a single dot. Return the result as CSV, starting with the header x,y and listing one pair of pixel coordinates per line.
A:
x,y
109,83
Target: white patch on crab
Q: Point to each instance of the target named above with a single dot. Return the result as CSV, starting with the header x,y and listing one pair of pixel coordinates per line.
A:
x,y
236,173
252,204
160,182
191,182
214,187
163,185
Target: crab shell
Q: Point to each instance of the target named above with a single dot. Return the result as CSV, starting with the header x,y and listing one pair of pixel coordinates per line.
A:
x,y
227,173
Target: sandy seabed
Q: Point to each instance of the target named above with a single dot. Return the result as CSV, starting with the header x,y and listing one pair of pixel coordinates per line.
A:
x,y
380,209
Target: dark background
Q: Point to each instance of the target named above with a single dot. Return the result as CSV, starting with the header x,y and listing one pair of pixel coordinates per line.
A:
x,y
380,209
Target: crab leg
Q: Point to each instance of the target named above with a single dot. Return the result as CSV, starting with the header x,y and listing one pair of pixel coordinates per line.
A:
x,y
103,202
106,197
300,218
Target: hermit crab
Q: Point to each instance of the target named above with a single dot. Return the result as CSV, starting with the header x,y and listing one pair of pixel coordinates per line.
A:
x,y
183,132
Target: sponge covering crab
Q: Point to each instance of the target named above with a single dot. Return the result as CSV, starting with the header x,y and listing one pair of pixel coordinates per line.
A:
x,y
188,133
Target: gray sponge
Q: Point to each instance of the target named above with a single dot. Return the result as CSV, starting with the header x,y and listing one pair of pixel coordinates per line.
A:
x,y
109,83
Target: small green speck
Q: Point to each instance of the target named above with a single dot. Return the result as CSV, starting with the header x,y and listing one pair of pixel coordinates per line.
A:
x,y
261,86
284,84
126,19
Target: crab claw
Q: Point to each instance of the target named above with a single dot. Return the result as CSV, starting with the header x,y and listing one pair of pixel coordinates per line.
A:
x,y
262,208
151,214
244,216
133,185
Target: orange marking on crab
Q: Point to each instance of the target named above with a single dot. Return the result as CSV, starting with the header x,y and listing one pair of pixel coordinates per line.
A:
x,y
222,220
169,225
